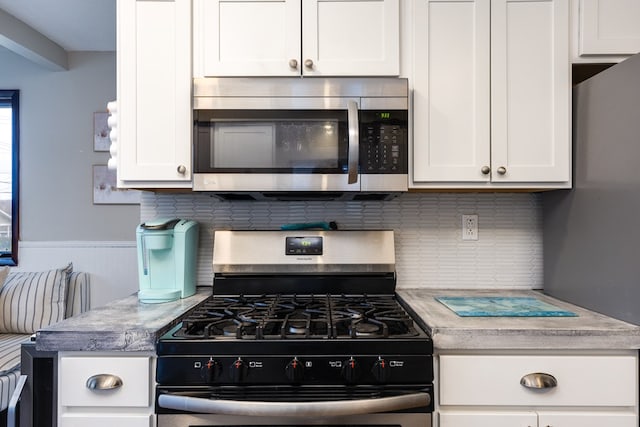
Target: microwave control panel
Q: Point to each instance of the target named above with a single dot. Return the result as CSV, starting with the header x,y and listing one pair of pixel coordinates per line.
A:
x,y
384,142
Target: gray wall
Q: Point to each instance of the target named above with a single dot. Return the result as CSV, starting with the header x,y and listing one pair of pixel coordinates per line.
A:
x,y
56,115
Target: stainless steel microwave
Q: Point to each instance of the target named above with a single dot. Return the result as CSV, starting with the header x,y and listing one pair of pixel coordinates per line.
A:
x,y
300,138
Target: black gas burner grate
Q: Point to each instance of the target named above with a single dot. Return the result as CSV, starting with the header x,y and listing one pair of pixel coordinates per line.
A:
x,y
298,317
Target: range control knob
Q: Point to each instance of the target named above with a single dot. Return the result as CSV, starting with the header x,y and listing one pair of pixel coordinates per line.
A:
x,y
294,371
380,370
210,370
351,370
238,370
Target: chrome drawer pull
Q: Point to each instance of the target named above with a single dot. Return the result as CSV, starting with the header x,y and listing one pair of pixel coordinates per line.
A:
x,y
104,382
539,380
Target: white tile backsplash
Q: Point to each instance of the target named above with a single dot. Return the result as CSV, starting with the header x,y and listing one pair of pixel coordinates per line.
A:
x,y
430,252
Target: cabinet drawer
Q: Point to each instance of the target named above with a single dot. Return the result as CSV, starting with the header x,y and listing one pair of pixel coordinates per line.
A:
x,y
502,418
133,371
581,380
103,420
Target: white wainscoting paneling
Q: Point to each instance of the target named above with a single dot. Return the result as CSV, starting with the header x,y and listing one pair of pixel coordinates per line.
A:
x,y
112,265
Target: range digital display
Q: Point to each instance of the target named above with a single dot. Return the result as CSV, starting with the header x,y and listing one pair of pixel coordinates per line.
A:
x,y
311,245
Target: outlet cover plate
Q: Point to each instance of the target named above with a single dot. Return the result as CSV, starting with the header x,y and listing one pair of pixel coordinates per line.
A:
x,y
470,227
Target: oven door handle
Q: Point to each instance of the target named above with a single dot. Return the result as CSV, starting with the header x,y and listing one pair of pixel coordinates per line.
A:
x,y
354,142
294,409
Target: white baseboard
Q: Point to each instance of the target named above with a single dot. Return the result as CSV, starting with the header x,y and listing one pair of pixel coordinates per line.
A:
x,y
114,273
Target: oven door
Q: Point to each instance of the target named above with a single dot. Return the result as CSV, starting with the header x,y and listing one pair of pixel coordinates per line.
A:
x,y
381,420
406,406
278,150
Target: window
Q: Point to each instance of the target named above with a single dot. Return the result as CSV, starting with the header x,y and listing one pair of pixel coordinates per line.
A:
x,y
9,137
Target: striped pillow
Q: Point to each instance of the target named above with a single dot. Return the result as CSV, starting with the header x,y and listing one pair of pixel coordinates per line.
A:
x,y
31,301
77,294
4,272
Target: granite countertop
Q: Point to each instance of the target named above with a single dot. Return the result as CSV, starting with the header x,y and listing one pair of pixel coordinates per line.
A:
x,y
122,325
588,330
129,325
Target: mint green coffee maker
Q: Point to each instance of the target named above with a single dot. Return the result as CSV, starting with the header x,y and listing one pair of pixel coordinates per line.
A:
x,y
167,254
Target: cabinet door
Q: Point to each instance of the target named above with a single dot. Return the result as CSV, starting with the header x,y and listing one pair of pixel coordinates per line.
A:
x,y
609,27
496,380
106,420
351,37
530,91
249,37
488,418
587,419
133,372
154,93
451,114
495,418
128,405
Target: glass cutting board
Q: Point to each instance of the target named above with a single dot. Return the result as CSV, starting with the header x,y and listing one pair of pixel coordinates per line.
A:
x,y
503,307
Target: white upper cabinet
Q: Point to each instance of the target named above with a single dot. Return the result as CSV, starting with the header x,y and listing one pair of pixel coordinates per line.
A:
x,y
492,94
605,30
530,92
451,118
350,37
295,37
154,93
256,38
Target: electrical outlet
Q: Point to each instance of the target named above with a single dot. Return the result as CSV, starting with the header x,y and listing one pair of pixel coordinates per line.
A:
x,y
470,227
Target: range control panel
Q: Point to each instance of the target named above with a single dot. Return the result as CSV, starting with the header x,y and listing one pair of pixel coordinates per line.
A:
x,y
252,369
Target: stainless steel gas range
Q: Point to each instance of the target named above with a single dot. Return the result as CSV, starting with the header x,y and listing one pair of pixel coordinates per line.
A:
x,y
303,328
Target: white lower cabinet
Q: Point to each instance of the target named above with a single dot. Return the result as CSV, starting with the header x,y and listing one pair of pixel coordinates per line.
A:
x,y
105,390
543,389
107,421
596,419
533,419
488,418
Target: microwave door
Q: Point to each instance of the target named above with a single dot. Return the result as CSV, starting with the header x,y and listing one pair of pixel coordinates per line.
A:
x,y
278,150
244,145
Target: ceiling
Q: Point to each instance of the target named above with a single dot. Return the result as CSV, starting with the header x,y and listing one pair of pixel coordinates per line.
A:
x,y
74,25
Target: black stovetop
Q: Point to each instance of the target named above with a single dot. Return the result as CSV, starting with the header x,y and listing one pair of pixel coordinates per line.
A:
x,y
298,317
328,339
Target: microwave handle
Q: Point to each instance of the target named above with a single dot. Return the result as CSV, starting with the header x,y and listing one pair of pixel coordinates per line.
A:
x,y
354,141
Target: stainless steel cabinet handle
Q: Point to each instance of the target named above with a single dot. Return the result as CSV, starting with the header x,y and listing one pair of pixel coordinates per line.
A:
x,y
308,63
181,169
502,170
539,380
485,170
293,63
104,382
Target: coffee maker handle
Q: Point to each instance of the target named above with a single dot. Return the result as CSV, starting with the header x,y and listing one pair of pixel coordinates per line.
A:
x,y
145,256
